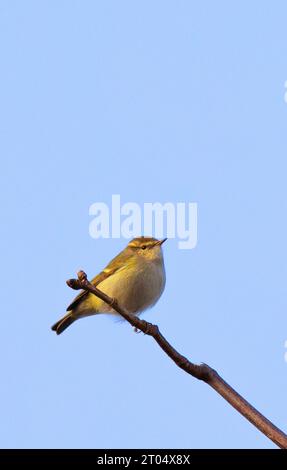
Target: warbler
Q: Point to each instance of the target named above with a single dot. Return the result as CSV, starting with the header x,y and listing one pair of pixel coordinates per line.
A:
x,y
135,278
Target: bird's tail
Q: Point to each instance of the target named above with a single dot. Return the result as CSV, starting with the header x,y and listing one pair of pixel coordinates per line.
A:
x,y
63,323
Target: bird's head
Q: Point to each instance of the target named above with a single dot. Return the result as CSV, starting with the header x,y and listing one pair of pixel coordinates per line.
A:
x,y
147,247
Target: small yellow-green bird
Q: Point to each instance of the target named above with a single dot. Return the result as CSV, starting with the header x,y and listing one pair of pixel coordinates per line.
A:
x,y
135,277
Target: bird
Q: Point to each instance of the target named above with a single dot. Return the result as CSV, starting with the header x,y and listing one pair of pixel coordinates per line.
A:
x,y
135,278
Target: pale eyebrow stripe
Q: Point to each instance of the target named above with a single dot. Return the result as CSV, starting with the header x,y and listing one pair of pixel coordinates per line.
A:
x,y
147,243
133,245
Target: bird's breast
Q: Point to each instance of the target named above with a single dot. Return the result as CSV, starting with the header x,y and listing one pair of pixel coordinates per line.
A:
x,y
136,288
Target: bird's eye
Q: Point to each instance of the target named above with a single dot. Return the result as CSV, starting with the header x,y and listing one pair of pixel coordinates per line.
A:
x,y
143,247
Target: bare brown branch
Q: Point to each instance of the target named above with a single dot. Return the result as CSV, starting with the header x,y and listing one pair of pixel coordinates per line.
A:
x,y
201,372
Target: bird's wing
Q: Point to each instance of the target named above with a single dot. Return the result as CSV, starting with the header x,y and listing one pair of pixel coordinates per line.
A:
x,y
119,262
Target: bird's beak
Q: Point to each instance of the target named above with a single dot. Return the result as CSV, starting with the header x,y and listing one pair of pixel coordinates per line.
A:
x,y
160,242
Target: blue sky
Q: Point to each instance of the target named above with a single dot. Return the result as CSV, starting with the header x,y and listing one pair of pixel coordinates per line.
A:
x,y
155,101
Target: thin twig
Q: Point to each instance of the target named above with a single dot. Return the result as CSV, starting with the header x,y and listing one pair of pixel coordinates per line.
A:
x,y
201,372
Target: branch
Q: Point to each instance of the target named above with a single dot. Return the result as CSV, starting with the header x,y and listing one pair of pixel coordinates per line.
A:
x,y
201,372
